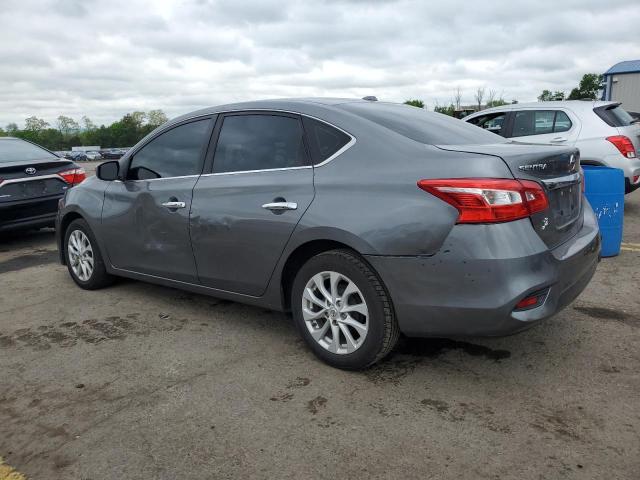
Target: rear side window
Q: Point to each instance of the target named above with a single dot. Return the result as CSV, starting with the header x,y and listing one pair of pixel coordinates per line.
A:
x,y
420,125
175,153
324,140
493,122
14,150
614,115
539,122
259,142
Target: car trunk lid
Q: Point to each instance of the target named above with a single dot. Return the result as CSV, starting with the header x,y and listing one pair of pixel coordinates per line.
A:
x,y
32,179
557,170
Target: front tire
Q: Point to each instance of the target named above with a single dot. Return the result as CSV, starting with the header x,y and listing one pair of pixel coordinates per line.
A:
x,y
83,258
343,311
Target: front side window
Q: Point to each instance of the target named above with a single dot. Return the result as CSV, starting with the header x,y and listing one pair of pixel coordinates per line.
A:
x,y
259,142
493,122
175,153
540,122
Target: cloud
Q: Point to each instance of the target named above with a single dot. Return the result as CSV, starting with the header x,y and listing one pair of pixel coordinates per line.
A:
x,y
104,59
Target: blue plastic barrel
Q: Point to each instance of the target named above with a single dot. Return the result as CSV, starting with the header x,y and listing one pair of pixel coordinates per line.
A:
x,y
604,188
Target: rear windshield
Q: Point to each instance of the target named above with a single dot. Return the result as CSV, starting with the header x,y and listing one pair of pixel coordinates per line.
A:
x,y
422,126
15,150
614,115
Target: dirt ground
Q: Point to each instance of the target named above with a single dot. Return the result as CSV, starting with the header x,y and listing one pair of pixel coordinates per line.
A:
x,y
143,382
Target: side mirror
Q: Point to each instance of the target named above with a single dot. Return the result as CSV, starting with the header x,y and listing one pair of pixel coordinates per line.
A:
x,y
108,171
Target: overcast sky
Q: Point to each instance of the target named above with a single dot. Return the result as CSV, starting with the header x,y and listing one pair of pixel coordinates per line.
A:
x,y
105,58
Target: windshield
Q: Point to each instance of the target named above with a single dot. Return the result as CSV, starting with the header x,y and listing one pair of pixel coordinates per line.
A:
x,y
16,150
422,126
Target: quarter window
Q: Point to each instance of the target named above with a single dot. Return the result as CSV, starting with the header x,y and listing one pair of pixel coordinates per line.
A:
x,y
540,122
562,123
259,142
324,140
175,153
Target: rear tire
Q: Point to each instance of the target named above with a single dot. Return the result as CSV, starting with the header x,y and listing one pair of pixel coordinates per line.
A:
x,y
336,294
83,258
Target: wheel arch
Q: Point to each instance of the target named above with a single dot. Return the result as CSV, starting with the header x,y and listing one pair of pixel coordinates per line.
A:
x,y
305,250
65,221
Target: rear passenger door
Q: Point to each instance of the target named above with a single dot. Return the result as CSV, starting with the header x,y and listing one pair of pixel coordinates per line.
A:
x,y
258,186
557,127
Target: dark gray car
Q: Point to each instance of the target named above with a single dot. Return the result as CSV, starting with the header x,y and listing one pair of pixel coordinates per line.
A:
x,y
364,219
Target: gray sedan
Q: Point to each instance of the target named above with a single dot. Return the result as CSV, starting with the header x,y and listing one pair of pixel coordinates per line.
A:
x,y
364,219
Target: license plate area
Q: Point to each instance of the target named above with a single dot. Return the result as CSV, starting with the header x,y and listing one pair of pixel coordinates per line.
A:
x,y
11,192
566,203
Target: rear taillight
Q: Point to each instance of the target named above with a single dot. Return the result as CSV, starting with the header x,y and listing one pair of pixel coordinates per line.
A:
x,y
624,145
73,176
489,200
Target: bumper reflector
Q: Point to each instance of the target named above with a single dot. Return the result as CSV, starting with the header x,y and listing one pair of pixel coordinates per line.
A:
x,y
532,301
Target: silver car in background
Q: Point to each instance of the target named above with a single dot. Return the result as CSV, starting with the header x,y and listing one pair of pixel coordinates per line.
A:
x,y
364,219
604,132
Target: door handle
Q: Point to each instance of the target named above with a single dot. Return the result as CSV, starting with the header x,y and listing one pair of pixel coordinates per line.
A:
x,y
559,140
174,205
280,206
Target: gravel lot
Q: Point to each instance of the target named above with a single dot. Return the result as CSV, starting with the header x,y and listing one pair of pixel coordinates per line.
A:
x,y
143,382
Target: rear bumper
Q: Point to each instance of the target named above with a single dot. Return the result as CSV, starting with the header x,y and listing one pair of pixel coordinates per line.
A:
x,y
631,187
471,286
32,213
630,167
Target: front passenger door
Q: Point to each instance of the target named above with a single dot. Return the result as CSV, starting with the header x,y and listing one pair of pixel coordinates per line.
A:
x,y
146,215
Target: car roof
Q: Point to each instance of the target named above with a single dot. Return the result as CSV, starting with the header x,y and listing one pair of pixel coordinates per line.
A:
x,y
574,105
297,105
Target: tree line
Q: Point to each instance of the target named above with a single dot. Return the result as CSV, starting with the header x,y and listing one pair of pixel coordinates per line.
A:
x,y
67,132
127,131
587,89
483,99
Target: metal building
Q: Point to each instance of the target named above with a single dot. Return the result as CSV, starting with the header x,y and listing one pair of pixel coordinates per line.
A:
x,y
622,84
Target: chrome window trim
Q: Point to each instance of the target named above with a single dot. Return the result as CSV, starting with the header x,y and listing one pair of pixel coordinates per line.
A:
x,y
28,179
256,171
349,144
161,178
248,111
346,147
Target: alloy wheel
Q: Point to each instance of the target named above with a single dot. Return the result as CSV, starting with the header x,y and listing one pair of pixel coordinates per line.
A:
x,y
335,312
80,255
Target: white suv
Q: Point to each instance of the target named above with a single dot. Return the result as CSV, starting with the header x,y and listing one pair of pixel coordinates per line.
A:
x,y
603,131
